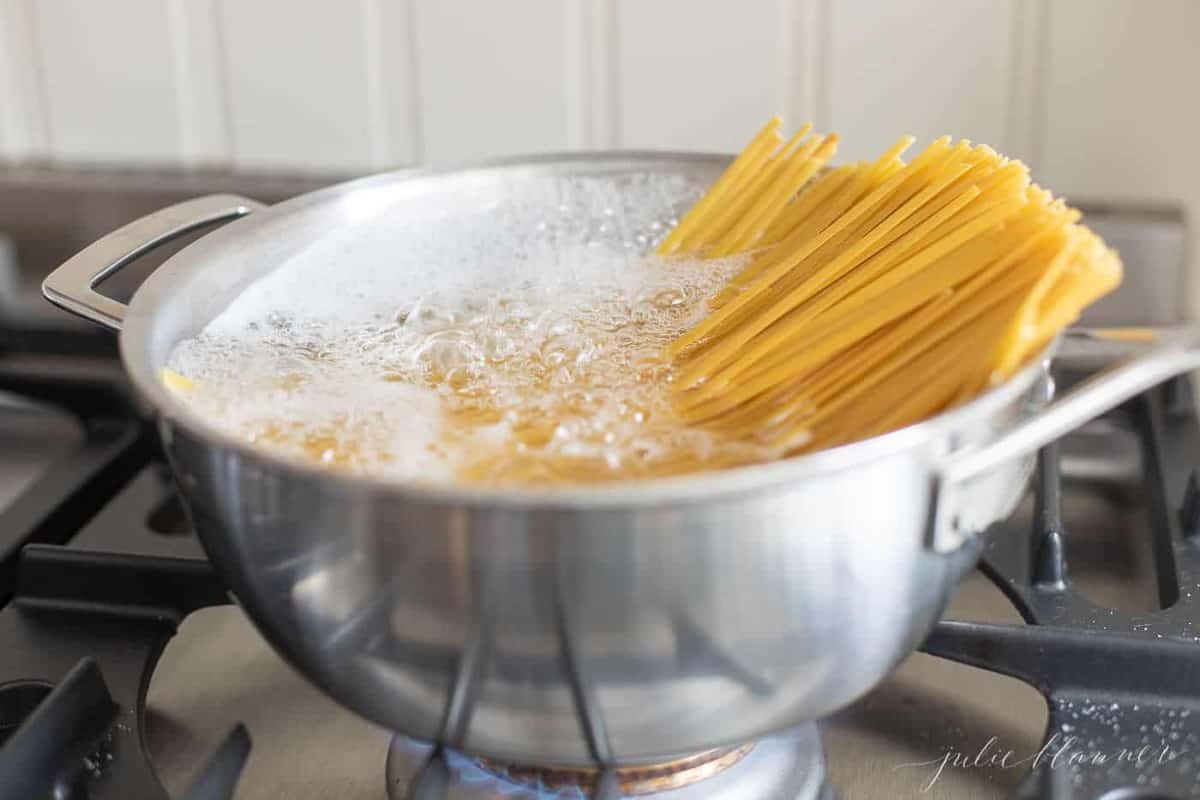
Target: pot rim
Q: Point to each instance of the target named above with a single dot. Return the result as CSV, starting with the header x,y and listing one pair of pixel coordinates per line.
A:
x,y
934,432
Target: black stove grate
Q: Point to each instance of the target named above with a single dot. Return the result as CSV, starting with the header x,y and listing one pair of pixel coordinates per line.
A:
x,y
89,592
97,569
1123,688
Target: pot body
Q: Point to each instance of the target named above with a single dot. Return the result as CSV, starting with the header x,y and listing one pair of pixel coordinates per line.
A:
x,y
669,627
625,623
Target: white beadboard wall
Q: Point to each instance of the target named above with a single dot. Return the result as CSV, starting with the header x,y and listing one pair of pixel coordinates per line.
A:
x,y
1094,94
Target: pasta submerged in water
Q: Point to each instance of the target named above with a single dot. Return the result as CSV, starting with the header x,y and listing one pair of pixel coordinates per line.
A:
x,y
518,340
795,307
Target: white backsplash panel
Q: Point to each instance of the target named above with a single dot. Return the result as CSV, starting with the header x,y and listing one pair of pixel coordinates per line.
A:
x,y
695,76
492,77
201,88
107,80
1095,94
23,131
1121,117
925,67
298,88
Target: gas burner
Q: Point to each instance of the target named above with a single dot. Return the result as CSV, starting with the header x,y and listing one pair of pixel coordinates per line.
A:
x,y
787,766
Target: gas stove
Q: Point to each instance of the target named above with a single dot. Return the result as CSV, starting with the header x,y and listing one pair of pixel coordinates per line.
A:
x,y
126,673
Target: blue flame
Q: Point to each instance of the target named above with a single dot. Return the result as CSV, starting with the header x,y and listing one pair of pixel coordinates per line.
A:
x,y
469,772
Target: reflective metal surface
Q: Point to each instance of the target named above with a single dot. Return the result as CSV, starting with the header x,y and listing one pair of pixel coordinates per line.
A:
x,y
1153,243
73,285
624,624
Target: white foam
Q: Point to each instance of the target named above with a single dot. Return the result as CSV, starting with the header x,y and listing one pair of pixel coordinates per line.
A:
x,y
367,349
396,254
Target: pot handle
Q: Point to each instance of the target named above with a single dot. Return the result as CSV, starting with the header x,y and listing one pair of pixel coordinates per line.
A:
x,y
73,285
1147,357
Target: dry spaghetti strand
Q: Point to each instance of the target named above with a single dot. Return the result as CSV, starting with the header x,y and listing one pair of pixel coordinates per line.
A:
x,y
878,293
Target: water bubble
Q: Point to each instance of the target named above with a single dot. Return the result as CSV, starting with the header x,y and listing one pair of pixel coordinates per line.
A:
x,y
546,364
669,299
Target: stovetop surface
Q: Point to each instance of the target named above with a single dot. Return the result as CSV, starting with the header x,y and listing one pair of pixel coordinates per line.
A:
x,y
935,728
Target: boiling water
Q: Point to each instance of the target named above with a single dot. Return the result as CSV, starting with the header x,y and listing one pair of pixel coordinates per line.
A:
x,y
519,341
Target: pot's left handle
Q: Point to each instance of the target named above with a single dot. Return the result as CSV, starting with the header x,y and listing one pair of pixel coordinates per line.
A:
x,y
73,285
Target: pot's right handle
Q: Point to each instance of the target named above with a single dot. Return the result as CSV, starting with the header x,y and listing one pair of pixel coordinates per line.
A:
x,y
1152,356
73,285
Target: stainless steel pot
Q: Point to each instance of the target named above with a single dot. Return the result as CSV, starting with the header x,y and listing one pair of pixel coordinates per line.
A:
x,y
671,616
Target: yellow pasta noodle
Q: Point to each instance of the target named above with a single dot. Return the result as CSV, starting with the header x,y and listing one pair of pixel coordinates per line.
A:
x,y
878,293
176,382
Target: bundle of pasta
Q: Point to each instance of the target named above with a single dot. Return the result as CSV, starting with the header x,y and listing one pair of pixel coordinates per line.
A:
x,y
876,293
